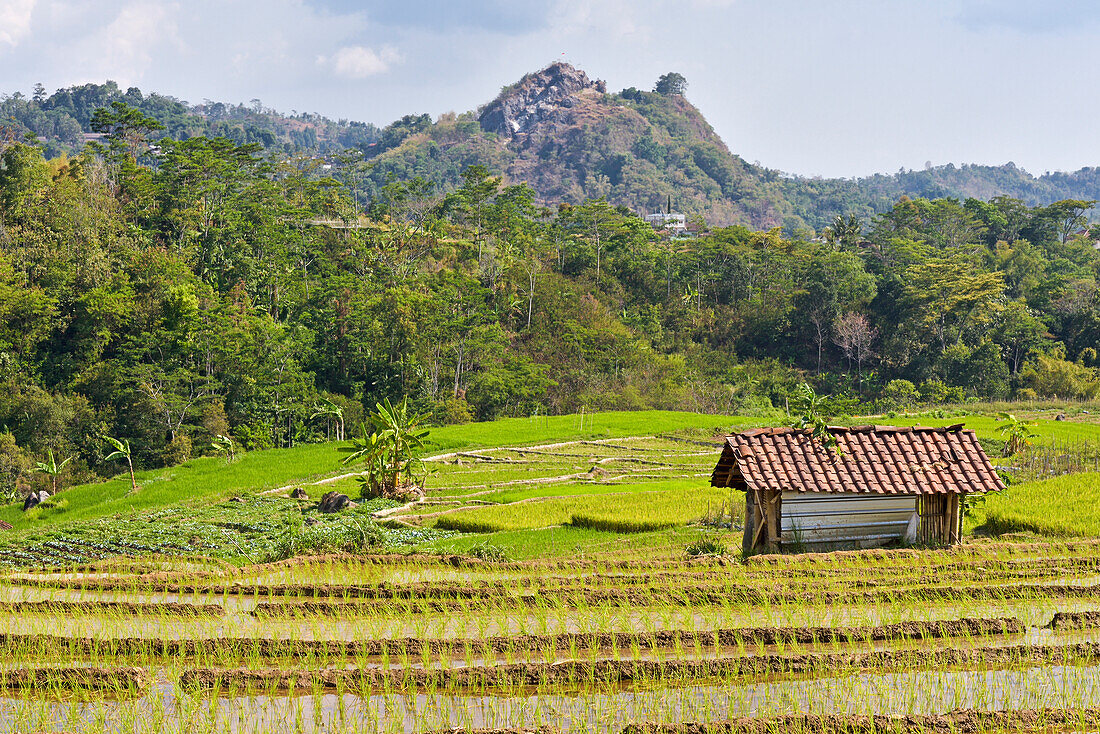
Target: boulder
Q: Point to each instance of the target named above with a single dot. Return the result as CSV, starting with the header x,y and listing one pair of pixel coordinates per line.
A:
x,y
35,498
333,502
298,494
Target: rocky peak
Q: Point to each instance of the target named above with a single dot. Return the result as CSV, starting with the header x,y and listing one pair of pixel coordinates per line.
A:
x,y
536,97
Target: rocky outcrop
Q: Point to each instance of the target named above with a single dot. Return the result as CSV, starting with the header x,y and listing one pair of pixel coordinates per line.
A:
x,y
537,97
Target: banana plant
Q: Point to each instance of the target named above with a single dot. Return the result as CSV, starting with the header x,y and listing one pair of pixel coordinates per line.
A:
x,y
122,451
329,410
53,469
1017,432
225,445
392,451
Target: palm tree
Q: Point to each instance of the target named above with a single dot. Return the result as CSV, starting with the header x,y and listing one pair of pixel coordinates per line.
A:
x,y
122,451
53,469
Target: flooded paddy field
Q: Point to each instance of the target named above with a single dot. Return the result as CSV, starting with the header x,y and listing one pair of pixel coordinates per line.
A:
x,y
419,644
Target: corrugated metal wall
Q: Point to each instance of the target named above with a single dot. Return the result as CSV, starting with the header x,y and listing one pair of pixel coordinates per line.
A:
x,y
817,521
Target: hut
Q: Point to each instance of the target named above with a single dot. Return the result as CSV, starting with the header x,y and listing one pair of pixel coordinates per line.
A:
x,y
879,484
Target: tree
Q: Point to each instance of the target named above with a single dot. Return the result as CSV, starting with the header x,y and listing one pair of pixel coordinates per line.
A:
x,y
670,84
392,451
855,336
477,190
844,231
53,469
835,282
950,296
127,128
122,451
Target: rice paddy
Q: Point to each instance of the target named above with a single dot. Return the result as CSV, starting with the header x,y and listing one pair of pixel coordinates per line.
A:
x,y
545,584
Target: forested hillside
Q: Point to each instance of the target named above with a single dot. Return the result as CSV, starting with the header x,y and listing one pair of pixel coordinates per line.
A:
x,y
175,292
558,131
62,122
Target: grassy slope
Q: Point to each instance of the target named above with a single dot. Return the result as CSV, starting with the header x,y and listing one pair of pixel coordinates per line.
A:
x,y
1062,506
209,479
1047,430
662,503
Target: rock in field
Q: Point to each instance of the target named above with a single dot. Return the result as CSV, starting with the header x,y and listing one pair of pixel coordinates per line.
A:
x,y
333,502
35,498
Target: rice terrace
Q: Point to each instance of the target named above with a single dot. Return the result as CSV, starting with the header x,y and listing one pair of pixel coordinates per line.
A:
x,y
549,367
573,573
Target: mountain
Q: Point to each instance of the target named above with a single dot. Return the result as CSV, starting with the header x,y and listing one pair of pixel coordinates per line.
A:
x,y
566,136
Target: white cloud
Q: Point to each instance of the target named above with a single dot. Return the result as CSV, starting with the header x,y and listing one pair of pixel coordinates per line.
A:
x,y
127,44
359,62
15,20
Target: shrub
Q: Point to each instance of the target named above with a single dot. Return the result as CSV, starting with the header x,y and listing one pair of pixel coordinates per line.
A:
x,y
900,393
178,451
452,411
708,545
939,392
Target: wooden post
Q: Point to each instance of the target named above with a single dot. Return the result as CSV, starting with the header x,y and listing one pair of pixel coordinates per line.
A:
x,y
772,506
953,525
758,519
748,541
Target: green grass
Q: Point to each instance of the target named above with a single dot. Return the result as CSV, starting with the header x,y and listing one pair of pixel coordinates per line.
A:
x,y
206,480
637,508
571,543
987,426
1062,506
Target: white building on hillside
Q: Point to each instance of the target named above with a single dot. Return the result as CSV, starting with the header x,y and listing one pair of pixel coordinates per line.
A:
x,y
674,222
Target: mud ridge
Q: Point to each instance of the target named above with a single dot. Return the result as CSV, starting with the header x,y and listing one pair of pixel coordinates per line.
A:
x,y
490,599
1075,620
664,639
99,607
963,721
884,578
100,679
572,673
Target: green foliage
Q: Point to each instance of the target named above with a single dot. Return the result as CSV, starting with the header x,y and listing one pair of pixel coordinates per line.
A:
x,y
392,452
208,286
812,410
1017,433
671,83
900,393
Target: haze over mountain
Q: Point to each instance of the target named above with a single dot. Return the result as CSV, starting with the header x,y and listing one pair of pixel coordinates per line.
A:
x,y
570,139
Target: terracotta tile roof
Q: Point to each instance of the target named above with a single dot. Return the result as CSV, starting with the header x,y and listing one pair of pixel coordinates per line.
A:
x,y
873,459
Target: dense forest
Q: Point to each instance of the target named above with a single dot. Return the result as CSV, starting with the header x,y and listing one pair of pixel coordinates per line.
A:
x,y
183,294
62,122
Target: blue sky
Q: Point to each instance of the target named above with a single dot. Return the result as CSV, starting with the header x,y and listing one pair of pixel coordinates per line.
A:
x,y
815,87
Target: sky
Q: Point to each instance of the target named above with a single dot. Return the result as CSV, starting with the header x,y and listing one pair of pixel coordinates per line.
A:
x,y
811,87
